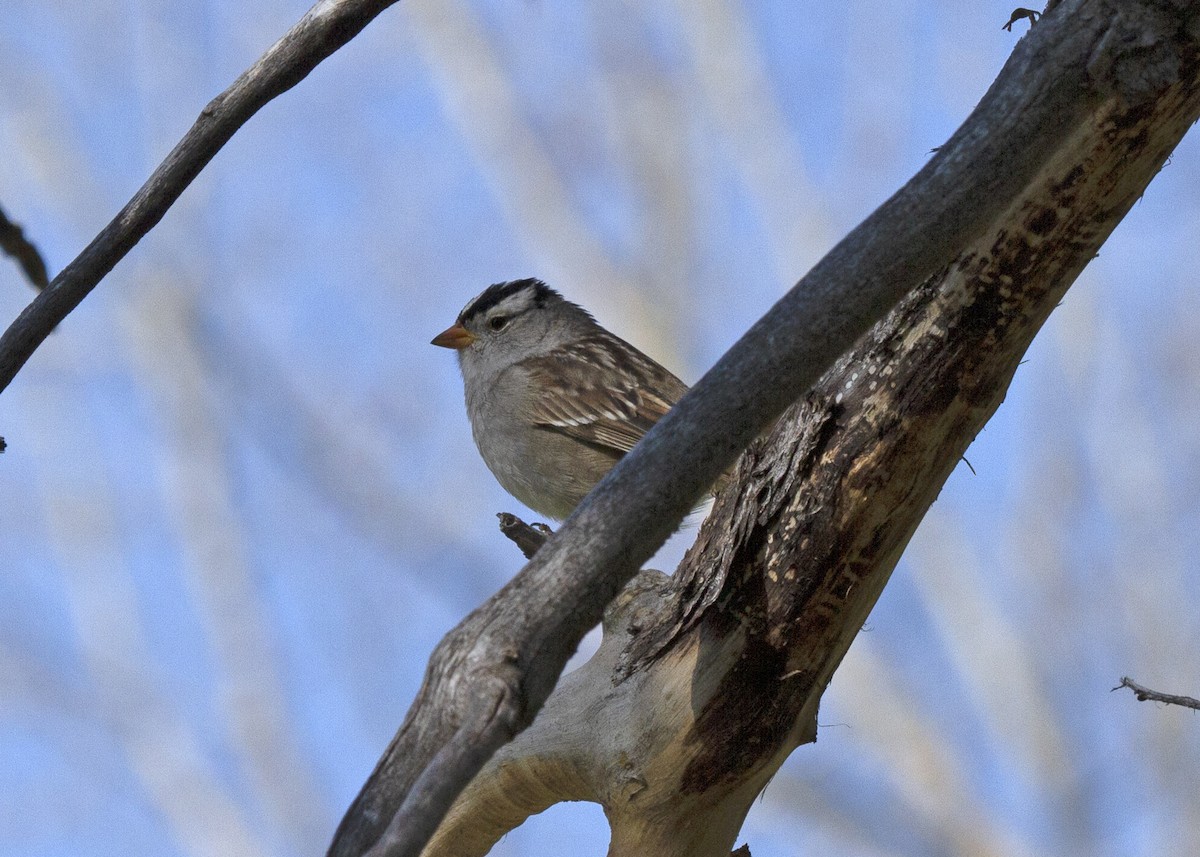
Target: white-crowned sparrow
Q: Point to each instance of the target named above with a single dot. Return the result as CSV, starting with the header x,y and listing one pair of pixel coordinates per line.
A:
x,y
554,399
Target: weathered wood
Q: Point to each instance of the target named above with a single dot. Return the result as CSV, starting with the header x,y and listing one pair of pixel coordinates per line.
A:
x,y
699,693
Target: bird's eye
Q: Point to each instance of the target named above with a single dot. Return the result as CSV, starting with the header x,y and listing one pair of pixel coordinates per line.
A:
x,y
498,322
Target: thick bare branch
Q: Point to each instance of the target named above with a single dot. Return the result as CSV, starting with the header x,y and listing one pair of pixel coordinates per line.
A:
x,y
1091,74
327,26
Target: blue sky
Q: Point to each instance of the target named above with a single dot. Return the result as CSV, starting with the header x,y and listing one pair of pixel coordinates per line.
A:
x,y
241,498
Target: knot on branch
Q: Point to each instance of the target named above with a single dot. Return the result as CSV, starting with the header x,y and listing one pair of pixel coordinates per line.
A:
x,y
498,699
478,676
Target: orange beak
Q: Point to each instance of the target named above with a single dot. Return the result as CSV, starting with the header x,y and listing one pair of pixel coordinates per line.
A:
x,y
456,337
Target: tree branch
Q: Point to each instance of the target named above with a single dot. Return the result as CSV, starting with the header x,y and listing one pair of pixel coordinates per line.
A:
x,y
327,26
1145,694
1089,76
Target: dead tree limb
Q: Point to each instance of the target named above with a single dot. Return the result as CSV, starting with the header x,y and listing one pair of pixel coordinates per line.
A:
x,y
702,692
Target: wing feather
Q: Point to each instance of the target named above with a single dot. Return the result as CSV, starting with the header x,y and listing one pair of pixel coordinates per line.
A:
x,y
602,391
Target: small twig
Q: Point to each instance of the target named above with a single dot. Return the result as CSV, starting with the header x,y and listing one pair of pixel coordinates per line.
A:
x,y
528,537
1019,13
15,244
1144,694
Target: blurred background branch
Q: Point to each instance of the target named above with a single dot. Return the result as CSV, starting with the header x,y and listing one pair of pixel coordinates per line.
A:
x,y
14,243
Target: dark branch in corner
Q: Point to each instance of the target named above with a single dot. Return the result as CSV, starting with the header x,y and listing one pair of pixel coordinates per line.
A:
x,y
1145,694
14,243
327,26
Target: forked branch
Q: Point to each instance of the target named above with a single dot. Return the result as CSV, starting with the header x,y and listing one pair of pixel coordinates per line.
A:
x,y
721,679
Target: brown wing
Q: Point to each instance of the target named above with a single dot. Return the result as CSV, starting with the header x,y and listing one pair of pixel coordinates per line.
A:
x,y
602,391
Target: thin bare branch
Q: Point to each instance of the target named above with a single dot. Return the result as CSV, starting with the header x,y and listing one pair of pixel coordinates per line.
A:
x,y
327,26
1145,694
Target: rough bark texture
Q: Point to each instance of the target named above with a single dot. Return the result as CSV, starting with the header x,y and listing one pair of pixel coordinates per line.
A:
x,y
707,681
